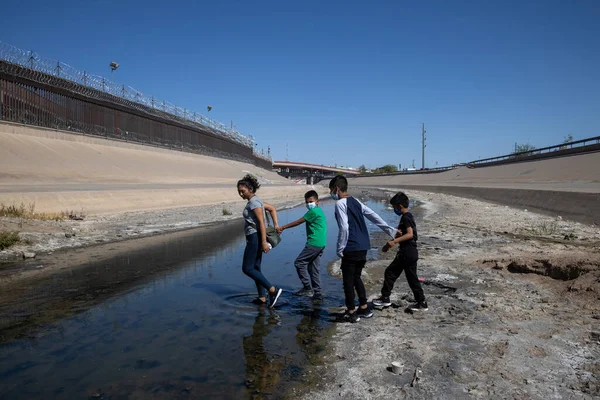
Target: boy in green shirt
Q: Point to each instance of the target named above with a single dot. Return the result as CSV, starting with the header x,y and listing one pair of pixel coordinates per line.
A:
x,y
308,262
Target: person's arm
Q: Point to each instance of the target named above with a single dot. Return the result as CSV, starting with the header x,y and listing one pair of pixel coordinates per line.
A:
x,y
410,222
273,211
377,220
297,222
262,231
341,216
403,238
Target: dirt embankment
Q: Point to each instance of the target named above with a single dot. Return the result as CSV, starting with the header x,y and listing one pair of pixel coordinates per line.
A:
x,y
125,190
513,312
59,171
567,186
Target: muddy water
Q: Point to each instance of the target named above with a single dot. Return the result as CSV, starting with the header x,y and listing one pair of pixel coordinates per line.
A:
x,y
171,321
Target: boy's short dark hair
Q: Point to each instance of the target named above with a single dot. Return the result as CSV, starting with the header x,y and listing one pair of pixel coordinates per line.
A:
x,y
311,193
399,199
339,182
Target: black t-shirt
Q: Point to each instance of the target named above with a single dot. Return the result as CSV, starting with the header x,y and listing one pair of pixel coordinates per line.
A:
x,y
407,220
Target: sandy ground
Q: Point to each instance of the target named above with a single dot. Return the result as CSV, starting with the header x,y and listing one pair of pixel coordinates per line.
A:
x,y
513,312
58,172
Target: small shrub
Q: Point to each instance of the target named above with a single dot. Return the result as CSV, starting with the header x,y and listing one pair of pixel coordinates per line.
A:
x,y
72,215
548,228
13,210
226,212
542,229
570,236
7,239
28,212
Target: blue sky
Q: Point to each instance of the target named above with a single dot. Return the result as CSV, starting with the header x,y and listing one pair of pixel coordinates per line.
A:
x,y
345,82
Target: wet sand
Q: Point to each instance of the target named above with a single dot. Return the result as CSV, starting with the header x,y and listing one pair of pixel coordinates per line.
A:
x,y
513,312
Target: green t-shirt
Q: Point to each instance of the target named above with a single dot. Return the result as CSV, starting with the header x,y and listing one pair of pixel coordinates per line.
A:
x,y
316,227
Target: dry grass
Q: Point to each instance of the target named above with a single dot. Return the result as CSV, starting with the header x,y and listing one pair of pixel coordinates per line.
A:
x,y
7,239
28,212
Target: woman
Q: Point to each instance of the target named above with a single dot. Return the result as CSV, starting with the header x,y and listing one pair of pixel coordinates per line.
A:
x,y
256,238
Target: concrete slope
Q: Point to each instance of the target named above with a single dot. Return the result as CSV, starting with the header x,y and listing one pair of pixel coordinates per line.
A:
x,y
572,173
30,155
565,186
60,171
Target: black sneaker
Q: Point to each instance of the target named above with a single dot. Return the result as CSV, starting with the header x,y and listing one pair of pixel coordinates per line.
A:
x,y
318,296
364,312
259,302
419,306
304,292
382,302
351,317
273,297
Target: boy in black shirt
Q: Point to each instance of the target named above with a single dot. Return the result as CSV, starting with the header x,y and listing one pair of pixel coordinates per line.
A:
x,y
406,259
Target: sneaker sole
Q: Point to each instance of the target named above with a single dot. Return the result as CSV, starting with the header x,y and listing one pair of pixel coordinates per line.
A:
x,y
418,309
382,305
366,315
276,298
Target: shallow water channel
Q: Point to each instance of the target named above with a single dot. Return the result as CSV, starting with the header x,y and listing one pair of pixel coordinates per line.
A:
x,y
171,321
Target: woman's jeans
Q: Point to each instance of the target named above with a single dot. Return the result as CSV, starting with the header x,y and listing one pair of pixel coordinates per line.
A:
x,y
251,264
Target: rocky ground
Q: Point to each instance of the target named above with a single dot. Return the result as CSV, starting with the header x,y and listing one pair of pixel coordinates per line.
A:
x,y
514,312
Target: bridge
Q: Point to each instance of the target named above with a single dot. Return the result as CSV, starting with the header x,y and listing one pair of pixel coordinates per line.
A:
x,y
313,173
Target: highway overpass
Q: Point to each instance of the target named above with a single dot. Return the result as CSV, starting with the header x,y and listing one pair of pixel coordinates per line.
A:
x,y
313,173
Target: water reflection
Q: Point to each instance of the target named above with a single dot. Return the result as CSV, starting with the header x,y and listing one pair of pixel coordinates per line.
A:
x,y
310,329
262,370
170,321
28,305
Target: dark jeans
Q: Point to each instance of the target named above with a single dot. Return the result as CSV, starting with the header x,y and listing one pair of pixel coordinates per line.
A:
x,y
406,260
352,266
251,264
308,266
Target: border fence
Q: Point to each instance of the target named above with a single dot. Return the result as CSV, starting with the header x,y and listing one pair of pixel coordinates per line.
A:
x,y
48,93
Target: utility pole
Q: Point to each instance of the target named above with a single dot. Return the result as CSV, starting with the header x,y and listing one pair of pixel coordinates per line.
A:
x,y
423,135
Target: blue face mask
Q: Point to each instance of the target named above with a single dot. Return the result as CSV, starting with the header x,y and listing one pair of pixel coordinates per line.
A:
x,y
311,205
334,196
397,212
